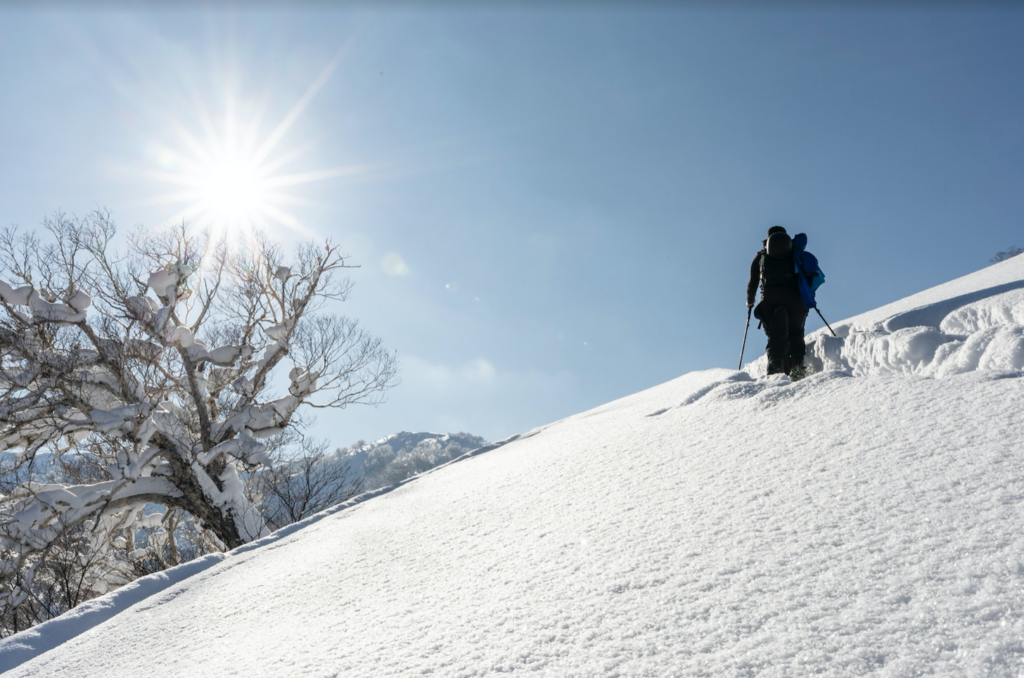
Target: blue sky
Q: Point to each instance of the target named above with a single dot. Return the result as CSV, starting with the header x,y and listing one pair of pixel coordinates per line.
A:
x,y
552,208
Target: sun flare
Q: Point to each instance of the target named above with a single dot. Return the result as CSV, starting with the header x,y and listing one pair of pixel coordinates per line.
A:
x,y
231,178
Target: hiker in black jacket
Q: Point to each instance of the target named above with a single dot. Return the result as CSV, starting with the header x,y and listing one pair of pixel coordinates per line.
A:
x,y
781,310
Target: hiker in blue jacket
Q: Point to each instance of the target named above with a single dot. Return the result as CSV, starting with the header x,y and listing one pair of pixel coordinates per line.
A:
x,y
787,277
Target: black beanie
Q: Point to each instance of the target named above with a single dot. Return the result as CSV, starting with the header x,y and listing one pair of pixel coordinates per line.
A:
x,y
775,229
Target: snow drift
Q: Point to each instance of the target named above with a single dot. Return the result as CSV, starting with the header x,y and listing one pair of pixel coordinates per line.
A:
x,y
866,520
975,322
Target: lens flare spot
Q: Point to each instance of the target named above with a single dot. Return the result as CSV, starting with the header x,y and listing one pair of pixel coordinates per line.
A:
x,y
393,264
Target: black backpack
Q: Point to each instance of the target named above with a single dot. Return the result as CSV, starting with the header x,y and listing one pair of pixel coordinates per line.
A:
x,y
777,265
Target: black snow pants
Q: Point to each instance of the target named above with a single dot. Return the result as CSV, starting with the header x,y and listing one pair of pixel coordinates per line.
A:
x,y
783,322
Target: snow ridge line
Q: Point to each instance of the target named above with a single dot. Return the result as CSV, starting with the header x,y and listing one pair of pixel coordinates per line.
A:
x,y
931,315
700,393
30,643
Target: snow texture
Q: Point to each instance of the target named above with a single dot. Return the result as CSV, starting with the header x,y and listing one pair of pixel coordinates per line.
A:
x,y
165,281
15,296
864,521
41,308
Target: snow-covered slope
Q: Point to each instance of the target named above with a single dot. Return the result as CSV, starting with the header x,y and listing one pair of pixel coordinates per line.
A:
x,y
867,520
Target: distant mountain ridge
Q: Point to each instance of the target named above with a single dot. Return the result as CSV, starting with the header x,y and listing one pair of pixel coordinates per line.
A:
x,y
400,455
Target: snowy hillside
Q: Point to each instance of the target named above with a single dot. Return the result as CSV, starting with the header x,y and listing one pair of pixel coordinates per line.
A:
x,y
867,520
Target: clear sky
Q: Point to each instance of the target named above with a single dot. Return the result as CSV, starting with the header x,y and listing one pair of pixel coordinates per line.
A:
x,y
552,207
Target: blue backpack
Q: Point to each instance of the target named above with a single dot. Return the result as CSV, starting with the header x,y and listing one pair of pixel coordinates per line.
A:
x,y
809,275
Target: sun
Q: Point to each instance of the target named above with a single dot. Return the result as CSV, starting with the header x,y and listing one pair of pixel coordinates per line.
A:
x,y
231,178
231,190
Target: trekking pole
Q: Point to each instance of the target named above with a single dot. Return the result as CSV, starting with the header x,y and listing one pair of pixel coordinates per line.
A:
x,y
744,346
825,321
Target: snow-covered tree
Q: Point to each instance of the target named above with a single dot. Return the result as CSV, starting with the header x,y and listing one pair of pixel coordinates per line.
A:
x,y
157,368
1008,253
